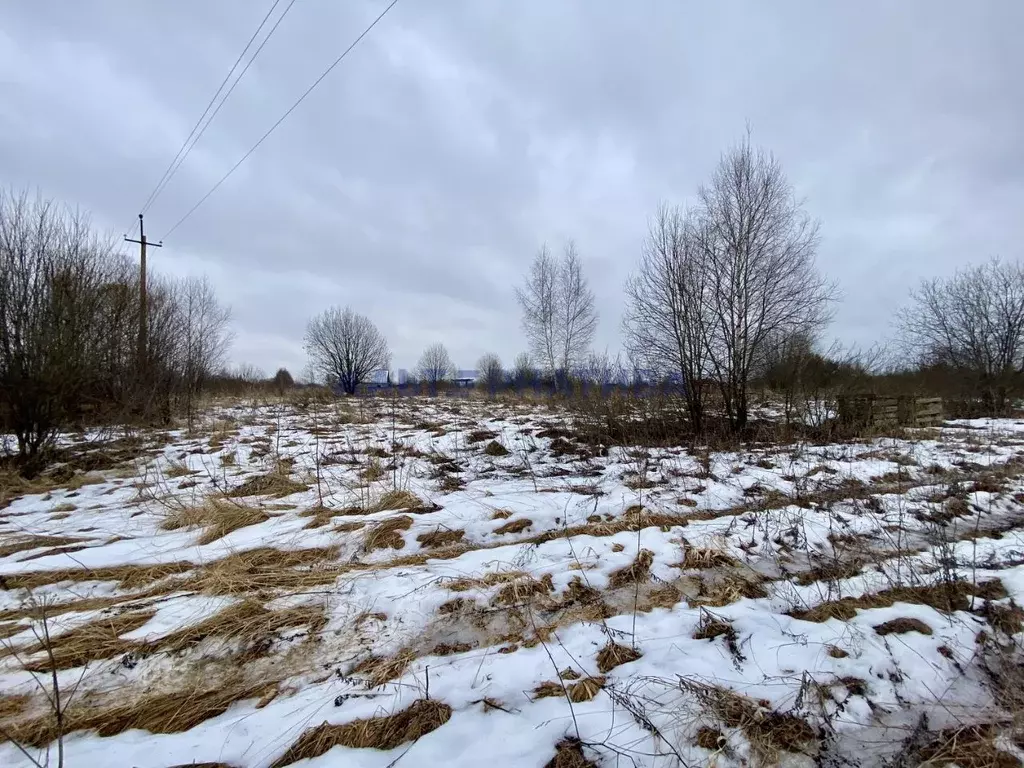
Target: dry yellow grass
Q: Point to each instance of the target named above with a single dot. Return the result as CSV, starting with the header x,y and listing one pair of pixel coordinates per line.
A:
x,y
96,640
55,551
276,484
386,534
768,732
177,469
347,527
664,596
569,754
159,713
13,704
373,471
321,516
14,486
902,626
440,538
972,746
613,654
268,571
377,670
401,500
726,587
219,516
10,629
704,557
36,542
637,572
249,623
942,597
385,732
514,526
586,689
520,591
448,649
549,689
129,577
501,514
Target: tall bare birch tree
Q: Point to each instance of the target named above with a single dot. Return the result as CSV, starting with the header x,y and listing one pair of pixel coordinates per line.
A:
x,y
757,248
559,313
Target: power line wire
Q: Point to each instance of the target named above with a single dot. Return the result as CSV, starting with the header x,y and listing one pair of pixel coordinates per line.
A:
x,y
185,147
283,117
224,100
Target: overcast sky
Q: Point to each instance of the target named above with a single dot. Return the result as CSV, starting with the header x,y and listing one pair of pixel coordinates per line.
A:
x,y
416,183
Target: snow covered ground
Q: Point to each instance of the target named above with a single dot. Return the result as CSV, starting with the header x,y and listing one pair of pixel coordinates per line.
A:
x,y
429,582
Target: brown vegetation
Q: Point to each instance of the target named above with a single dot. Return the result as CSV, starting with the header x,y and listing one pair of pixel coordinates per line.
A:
x,y
637,572
385,732
440,538
613,654
385,534
219,516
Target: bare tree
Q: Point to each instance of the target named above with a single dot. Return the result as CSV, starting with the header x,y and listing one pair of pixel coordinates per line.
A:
x,y
247,372
667,319
538,301
435,366
972,322
559,315
757,247
204,335
52,269
69,314
523,372
490,372
345,347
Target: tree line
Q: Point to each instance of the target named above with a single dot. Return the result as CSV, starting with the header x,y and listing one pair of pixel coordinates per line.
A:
x,y
69,319
726,294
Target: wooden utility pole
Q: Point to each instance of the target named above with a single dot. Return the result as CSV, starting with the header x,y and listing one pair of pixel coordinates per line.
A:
x,y
142,289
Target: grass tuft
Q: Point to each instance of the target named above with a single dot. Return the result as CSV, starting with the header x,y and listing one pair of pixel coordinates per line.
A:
x,y
902,626
379,670
403,500
585,689
613,654
514,526
219,516
569,754
637,572
276,484
440,538
385,732
386,535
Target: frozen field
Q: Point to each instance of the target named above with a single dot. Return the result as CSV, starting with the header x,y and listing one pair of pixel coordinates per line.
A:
x,y
434,582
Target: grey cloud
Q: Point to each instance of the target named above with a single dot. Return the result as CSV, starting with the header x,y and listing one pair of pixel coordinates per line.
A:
x,y
418,180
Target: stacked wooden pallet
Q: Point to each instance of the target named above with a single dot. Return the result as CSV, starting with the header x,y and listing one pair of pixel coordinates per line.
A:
x,y
886,411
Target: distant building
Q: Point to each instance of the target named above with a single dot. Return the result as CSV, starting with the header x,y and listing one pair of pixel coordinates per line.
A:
x,y
466,378
380,379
